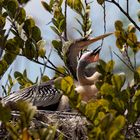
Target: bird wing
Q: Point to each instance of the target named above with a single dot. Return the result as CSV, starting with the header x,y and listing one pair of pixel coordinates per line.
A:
x,y
42,95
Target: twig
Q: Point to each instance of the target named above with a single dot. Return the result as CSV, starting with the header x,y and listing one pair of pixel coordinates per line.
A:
x,y
128,58
135,62
127,6
125,13
104,9
123,61
65,32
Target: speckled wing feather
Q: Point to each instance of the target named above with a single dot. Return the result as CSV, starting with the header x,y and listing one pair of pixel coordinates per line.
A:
x,y
42,95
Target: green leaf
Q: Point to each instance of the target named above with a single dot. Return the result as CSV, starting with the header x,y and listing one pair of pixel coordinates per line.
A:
x,y
23,1
2,21
36,33
66,84
3,66
12,7
75,4
5,114
45,78
120,42
100,1
9,57
109,67
55,30
107,89
131,28
41,48
118,81
27,112
47,6
116,127
28,25
29,50
62,25
21,16
118,25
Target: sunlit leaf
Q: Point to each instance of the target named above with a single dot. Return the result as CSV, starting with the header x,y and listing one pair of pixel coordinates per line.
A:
x,y
5,114
75,4
131,28
110,65
100,1
118,25
116,127
107,89
118,81
47,6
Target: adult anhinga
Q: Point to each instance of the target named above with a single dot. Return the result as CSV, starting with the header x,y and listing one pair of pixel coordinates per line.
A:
x,y
46,95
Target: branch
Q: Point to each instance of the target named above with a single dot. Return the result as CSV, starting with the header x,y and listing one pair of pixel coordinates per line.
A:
x,y
65,32
125,13
123,61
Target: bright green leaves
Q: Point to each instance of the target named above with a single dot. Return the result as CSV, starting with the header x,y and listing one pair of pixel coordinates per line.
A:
x,y
107,89
27,111
20,129
58,20
126,37
47,6
67,86
106,124
118,81
5,114
41,48
104,67
23,79
75,4
136,100
94,107
115,128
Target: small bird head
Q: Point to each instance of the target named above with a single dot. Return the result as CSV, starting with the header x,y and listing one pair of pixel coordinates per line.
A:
x,y
91,56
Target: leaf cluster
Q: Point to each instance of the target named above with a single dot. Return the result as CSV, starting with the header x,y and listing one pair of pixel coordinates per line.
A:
x,y
22,38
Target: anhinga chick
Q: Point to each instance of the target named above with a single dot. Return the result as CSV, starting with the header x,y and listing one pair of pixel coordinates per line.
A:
x,y
87,88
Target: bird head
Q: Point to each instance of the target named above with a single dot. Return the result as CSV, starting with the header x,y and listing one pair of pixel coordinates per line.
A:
x,y
78,45
91,56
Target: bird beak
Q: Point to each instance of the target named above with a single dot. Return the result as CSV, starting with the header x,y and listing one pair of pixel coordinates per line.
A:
x,y
94,56
89,41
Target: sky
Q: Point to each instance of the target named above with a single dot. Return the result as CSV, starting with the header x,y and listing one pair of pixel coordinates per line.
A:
x,y
42,18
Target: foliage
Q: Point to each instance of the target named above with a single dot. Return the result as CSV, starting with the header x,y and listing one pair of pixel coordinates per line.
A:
x,y
117,104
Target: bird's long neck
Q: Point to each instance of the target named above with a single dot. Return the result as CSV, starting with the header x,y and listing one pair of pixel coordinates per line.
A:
x,y
82,78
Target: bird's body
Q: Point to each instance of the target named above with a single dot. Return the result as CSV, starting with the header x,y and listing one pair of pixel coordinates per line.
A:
x,y
43,96
46,95
87,88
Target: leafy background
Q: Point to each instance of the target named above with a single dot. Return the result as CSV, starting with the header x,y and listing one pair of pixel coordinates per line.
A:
x,y
42,19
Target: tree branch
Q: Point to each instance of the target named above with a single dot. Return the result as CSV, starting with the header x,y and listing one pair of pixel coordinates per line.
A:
x,y
125,13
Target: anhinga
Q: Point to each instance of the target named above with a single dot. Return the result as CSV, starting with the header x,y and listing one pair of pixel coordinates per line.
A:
x,y
46,95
